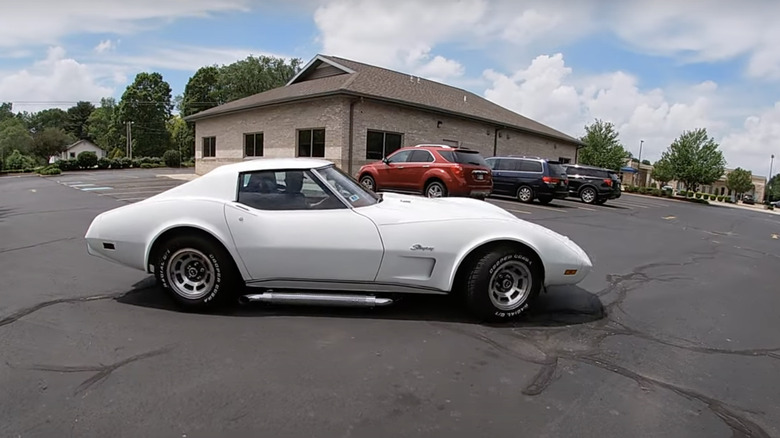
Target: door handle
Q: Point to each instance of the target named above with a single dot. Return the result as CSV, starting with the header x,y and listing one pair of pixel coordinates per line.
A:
x,y
427,165
399,167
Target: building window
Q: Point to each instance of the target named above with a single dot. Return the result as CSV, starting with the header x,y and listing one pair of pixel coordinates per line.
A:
x,y
564,160
253,144
209,147
311,143
380,144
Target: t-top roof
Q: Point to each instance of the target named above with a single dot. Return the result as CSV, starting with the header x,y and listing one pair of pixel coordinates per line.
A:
x,y
331,75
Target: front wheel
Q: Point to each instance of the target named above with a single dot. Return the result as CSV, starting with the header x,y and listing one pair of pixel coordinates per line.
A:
x,y
196,272
502,284
525,194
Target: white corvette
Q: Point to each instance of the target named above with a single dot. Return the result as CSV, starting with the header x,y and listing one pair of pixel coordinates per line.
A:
x,y
301,230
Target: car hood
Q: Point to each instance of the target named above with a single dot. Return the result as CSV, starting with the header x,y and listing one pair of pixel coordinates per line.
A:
x,y
397,208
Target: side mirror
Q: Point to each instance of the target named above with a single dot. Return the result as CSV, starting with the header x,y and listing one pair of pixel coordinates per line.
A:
x,y
386,161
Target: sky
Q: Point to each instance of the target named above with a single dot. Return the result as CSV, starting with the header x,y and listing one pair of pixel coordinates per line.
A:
x,y
653,68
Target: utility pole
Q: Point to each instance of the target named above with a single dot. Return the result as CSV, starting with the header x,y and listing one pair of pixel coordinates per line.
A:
x,y
767,196
639,165
129,139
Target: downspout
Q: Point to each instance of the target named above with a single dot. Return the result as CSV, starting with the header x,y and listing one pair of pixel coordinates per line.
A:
x,y
495,141
577,152
351,134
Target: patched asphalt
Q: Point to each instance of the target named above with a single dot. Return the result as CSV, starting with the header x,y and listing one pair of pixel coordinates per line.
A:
x,y
675,333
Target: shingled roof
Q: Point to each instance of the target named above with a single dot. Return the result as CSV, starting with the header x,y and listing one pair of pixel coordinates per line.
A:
x,y
331,75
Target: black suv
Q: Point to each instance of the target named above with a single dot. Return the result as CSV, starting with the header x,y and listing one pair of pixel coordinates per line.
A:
x,y
528,178
593,185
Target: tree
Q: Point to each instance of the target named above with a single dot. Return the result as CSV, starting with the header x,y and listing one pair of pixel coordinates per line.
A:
x,y
739,181
6,111
602,147
695,159
773,188
48,118
147,104
49,142
14,136
78,116
182,138
254,75
104,127
201,92
662,171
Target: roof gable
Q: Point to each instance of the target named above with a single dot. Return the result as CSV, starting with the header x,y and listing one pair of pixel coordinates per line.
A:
x,y
319,67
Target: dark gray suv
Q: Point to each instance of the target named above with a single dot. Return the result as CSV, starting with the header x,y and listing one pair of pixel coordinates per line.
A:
x,y
528,178
593,185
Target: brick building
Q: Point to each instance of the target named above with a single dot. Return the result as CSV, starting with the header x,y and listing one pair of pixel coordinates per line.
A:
x,y
353,113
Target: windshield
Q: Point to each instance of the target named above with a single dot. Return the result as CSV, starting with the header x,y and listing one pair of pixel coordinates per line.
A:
x,y
348,187
464,157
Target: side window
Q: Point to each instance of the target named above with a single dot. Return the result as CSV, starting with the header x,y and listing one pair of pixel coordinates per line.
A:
x,y
400,157
491,162
508,164
531,166
285,190
420,156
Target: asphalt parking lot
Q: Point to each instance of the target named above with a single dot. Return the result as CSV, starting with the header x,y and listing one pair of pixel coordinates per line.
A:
x,y
676,333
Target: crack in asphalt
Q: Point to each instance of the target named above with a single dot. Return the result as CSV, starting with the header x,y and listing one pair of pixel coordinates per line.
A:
x,y
48,242
549,357
26,213
24,312
101,371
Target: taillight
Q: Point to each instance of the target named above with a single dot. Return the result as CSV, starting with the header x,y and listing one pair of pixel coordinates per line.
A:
x,y
608,181
458,170
550,180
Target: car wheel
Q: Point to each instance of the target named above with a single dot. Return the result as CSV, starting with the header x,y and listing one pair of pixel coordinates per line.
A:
x,y
435,189
588,195
197,273
525,194
502,284
368,182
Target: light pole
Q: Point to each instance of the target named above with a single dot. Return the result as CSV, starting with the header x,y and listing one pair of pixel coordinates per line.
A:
x,y
639,164
766,190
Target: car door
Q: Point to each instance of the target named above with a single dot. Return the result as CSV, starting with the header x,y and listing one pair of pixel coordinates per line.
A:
x,y
501,169
296,228
393,171
576,179
418,163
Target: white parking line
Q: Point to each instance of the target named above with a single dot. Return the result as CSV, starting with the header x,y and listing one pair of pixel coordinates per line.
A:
x,y
514,210
95,188
133,192
586,208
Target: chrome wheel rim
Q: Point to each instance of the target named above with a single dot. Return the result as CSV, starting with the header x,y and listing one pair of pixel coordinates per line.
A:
x,y
588,195
368,184
524,194
510,285
191,274
435,191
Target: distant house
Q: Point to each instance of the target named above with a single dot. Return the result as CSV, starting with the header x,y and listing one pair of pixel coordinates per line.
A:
x,y
76,148
352,113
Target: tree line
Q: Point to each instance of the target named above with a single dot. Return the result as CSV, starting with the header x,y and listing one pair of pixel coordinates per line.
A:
x,y
146,107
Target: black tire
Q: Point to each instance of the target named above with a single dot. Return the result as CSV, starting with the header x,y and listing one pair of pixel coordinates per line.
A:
x,y
525,194
207,263
435,187
545,201
368,182
492,265
588,195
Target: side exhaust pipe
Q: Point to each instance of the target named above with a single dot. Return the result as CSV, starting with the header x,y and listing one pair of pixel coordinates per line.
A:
x,y
315,299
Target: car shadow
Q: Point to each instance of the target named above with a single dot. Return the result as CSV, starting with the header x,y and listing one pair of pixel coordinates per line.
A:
x,y
569,305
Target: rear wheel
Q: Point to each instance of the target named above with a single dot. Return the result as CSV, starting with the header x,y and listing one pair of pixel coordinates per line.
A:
x,y
525,194
502,284
435,189
588,195
368,182
196,272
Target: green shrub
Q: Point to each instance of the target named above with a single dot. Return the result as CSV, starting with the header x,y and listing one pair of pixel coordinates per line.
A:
x,y
698,195
51,169
18,161
188,163
103,163
87,159
66,165
172,158
151,165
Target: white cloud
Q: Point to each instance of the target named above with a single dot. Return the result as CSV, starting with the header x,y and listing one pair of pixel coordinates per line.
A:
x,y
36,22
104,46
548,91
186,58
397,34
56,81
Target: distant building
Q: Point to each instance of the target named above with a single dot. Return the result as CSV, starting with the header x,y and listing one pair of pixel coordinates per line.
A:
x,y
76,148
353,113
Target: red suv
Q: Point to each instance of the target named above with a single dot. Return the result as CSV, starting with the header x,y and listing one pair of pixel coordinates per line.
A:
x,y
431,170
